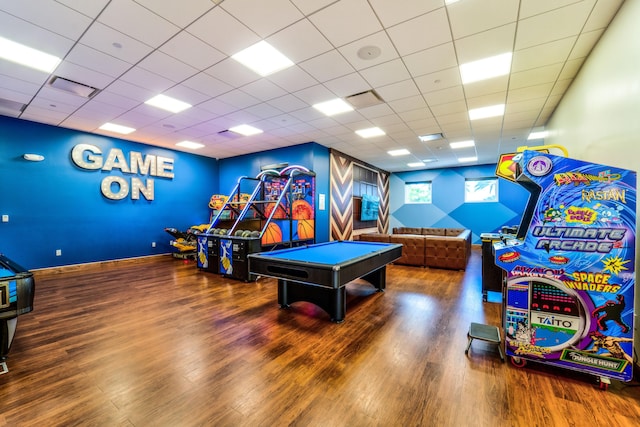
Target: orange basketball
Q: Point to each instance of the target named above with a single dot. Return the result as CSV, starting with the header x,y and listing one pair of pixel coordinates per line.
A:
x,y
273,234
281,213
305,229
301,209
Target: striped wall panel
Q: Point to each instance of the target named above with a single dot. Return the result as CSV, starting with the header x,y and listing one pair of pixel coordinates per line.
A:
x,y
341,197
383,194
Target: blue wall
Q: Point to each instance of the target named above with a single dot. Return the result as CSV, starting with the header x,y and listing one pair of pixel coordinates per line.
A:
x,y
55,204
449,209
312,156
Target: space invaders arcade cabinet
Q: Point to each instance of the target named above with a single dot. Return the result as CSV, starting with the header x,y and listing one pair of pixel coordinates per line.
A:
x,y
570,273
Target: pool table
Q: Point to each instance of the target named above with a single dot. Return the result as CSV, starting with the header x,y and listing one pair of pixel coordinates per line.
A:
x,y
319,273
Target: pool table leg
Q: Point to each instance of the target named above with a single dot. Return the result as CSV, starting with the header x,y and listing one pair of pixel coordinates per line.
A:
x,y
377,278
333,301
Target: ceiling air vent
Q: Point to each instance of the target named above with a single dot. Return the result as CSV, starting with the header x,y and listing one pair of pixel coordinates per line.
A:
x,y
229,134
70,86
11,108
364,99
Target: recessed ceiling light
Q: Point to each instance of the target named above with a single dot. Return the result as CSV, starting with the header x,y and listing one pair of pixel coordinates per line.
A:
x,y
190,144
245,130
430,137
450,1
111,127
400,152
167,103
538,135
263,58
486,68
415,164
333,107
462,144
27,56
429,160
467,159
370,132
486,112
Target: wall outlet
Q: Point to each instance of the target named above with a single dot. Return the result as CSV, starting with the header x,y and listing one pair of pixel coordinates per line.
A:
x,y
58,252
5,218
153,244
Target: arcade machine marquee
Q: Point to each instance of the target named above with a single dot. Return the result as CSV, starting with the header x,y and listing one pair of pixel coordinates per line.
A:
x,y
570,279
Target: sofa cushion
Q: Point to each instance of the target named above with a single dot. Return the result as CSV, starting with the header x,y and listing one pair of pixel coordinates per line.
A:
x,y
433,231
407,230
453,231
374,237
446,252
413,249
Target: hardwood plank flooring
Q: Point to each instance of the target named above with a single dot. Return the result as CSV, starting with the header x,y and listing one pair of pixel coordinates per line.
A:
x,y
158,343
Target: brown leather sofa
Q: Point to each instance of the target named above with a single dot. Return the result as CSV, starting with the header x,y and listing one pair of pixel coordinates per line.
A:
x,y
428,247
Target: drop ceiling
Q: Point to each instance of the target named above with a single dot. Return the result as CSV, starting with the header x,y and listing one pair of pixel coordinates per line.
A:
x,y
407,51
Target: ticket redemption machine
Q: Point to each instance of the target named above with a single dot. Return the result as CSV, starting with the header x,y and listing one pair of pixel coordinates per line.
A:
x,y
570,272
17,289
271,211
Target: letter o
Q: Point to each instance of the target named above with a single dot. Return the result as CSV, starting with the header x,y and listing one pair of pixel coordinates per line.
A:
x,y
105,187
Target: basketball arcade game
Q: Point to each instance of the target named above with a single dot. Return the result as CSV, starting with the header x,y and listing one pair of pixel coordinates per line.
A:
x,y
271,211
570,279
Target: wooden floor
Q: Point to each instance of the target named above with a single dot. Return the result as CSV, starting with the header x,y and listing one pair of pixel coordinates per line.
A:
x,y
158,343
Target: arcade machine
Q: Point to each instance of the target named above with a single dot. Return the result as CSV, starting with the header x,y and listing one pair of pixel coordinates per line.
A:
x,y
569,292
271,211
17,289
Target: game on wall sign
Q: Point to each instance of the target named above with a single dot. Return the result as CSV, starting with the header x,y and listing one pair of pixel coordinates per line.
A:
x,y
87,156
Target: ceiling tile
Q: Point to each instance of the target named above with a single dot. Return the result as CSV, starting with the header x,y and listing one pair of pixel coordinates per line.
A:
x,y
166,66
89,8
445,96
292,79
263,89
535,76
385,74
423,32
398,90
541,55
439,80
209,85
471,17
360,60
97,61
68,22
327,66
394,12
21,31
348,85
488,43
431,60
180,13
126,16
346,21
114,43
147,80
214,28
232,73
192,51
263,17
300,41
555,25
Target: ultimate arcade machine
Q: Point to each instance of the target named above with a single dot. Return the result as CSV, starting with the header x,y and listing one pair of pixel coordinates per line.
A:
x,y
274,210
17,289
569,291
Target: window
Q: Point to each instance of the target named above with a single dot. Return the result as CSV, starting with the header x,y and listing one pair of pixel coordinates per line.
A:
x,y
417,192
481,190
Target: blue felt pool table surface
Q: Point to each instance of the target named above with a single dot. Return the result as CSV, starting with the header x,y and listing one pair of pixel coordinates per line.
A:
x,y
329,253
